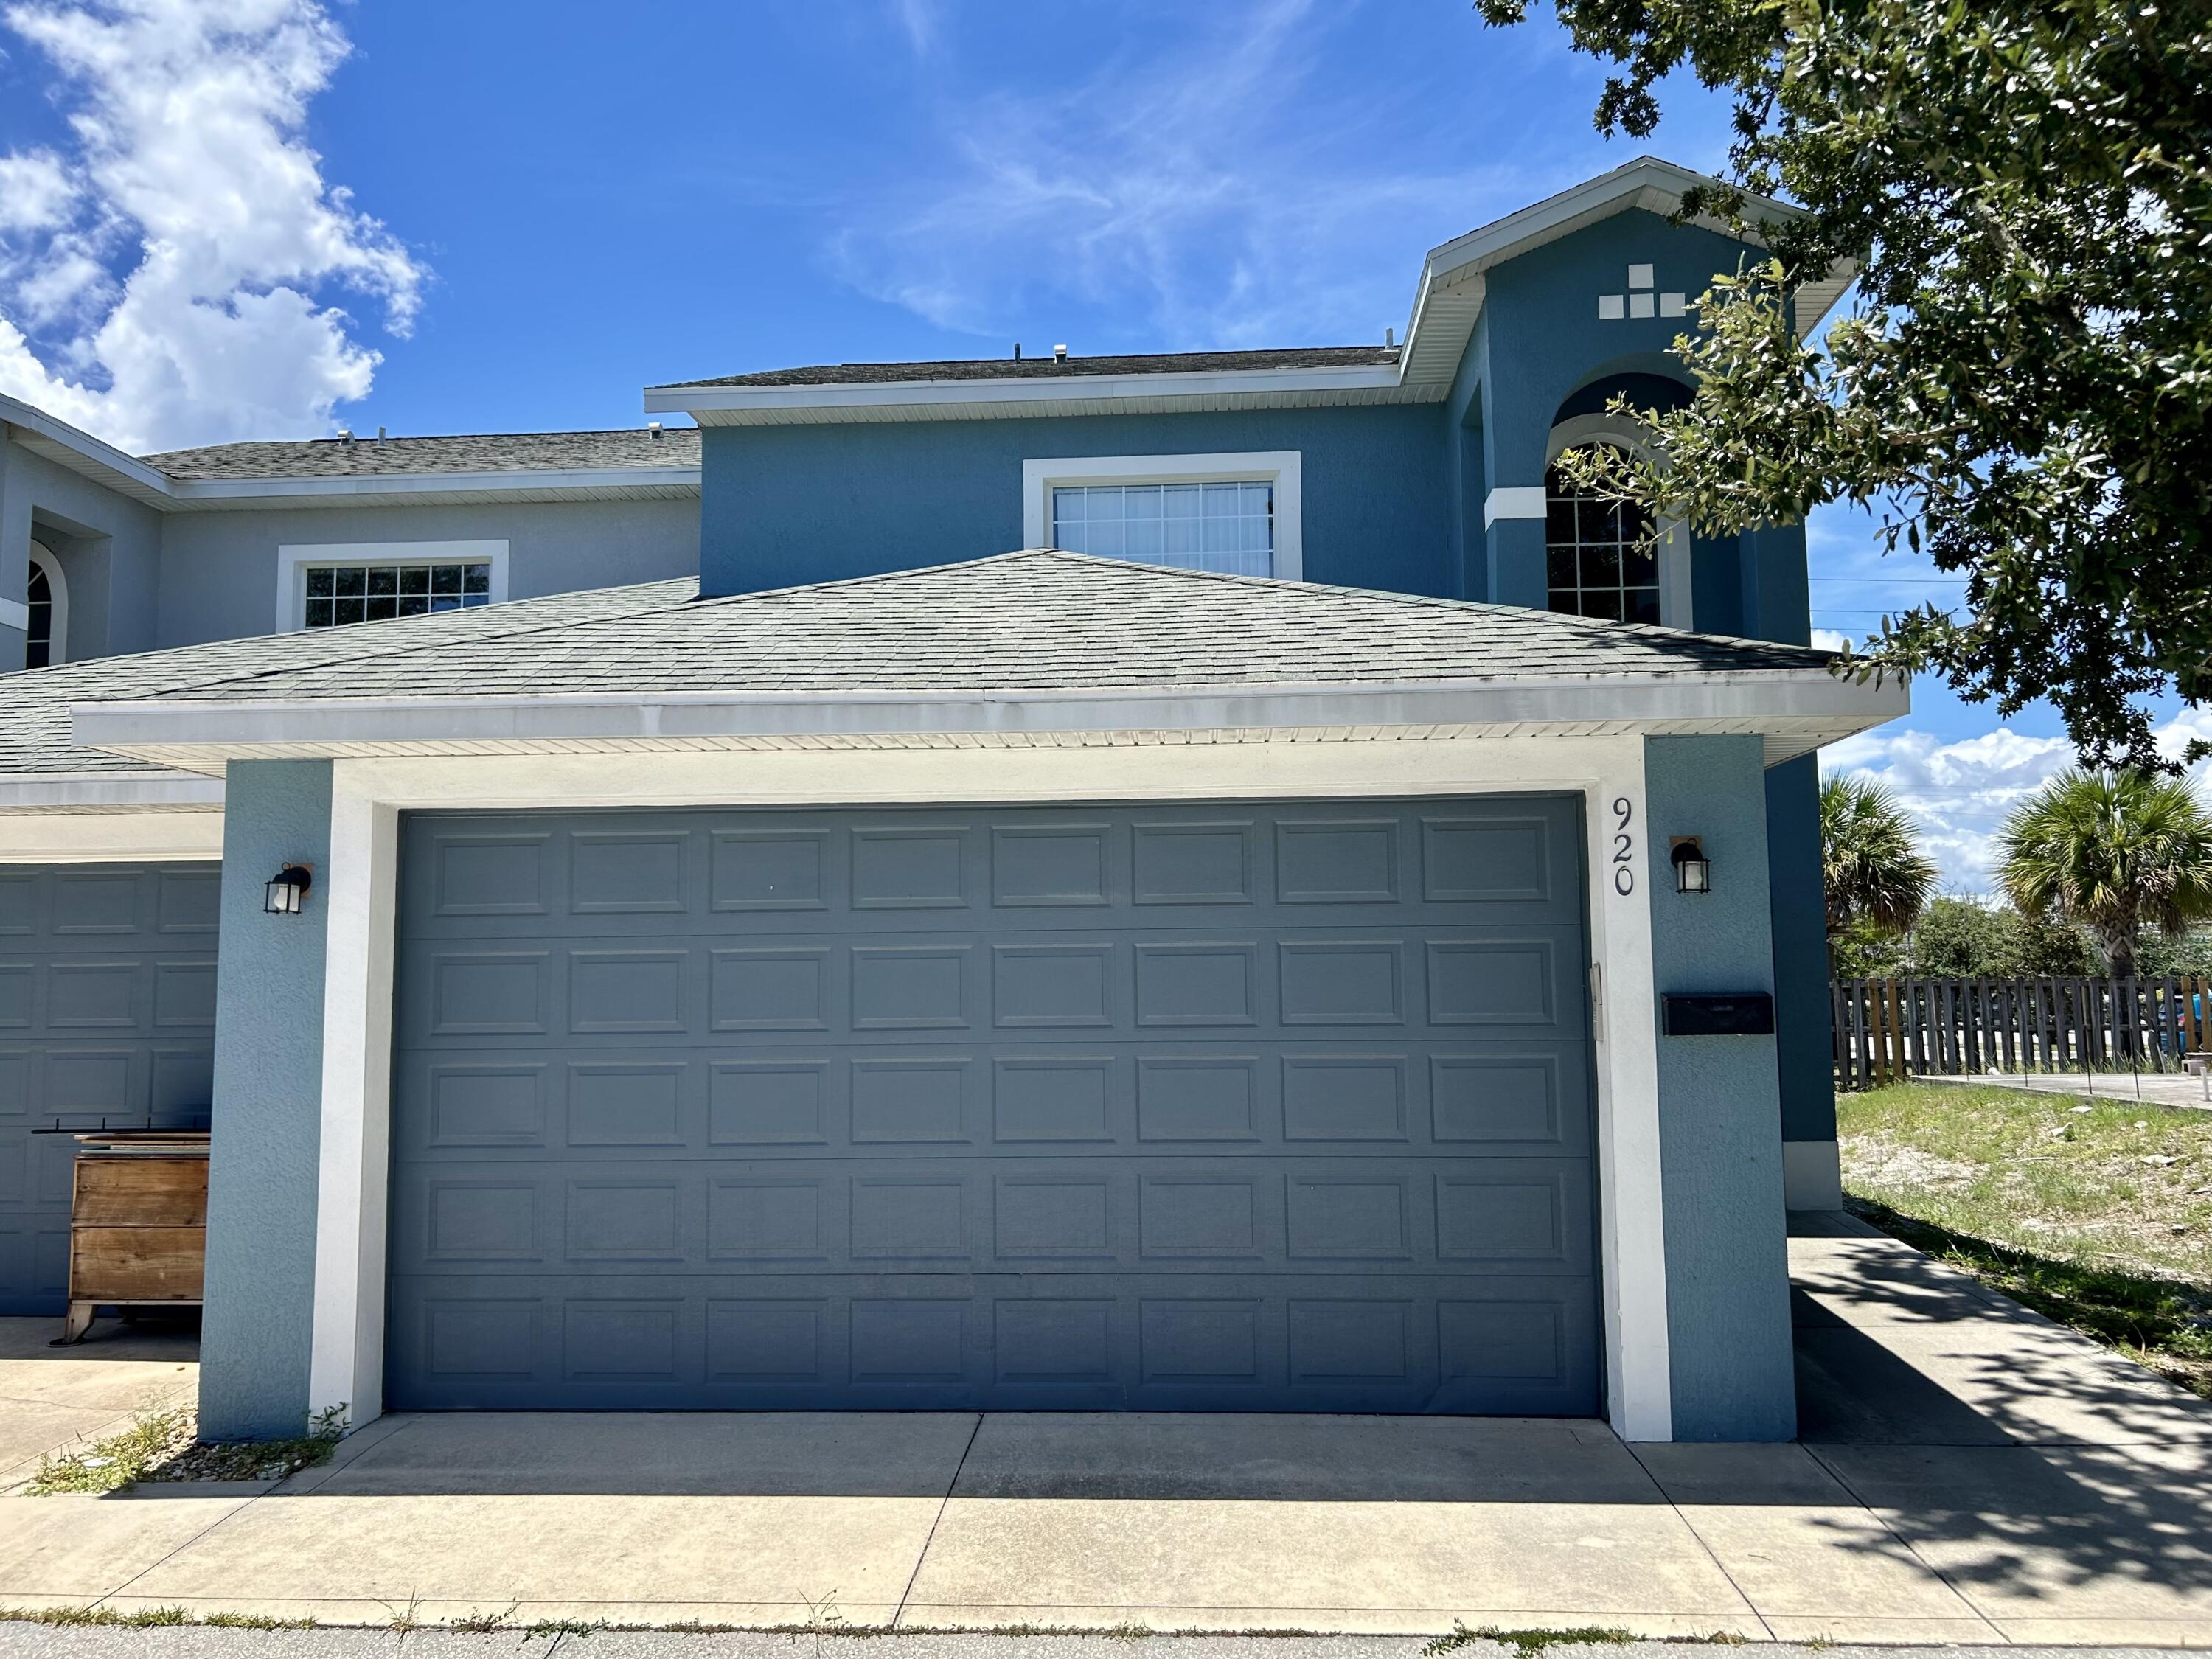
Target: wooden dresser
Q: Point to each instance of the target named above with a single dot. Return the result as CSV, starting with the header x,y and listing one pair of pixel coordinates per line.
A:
x,y
138,1223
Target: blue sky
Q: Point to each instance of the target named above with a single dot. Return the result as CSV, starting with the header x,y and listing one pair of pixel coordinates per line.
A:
x,y
235,218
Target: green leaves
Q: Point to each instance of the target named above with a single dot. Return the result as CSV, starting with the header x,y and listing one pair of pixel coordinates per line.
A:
x,y
2023,387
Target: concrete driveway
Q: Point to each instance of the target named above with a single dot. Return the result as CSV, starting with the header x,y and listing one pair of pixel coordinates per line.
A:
x,y
50,1396
1970,1473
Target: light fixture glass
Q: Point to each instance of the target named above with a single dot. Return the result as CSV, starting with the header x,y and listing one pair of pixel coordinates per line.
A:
x,y
287,892
1693,872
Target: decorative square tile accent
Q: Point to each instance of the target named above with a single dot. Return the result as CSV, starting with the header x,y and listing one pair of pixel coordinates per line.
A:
x,y
1611,307
1674,305
1639,276
1639,305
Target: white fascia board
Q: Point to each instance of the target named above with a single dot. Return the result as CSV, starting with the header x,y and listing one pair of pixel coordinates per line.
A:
x,y
110,837
1647,182
1043,390
1750,702
85,454
244,492
108,792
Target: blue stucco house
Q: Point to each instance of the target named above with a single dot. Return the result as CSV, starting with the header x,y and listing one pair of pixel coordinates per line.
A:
x,y
1050,882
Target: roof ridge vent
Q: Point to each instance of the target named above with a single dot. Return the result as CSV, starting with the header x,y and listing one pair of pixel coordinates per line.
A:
x,y
654,426
1060,354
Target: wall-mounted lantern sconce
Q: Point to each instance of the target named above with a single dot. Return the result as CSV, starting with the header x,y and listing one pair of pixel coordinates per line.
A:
x,y
287,894
1693,871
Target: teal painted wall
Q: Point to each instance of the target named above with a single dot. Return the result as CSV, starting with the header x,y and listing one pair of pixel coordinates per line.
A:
x,y
268,1091
1540,340
1720,1137
790,504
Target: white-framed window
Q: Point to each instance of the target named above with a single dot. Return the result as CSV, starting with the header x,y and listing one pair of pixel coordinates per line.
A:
x,y
46,599
329,585
1601,557
1240,513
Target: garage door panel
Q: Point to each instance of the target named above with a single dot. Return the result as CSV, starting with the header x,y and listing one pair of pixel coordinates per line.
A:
x,y
1151,1098
1528,1217
1038,1342
106,1010
706,873
904,987
1228,1107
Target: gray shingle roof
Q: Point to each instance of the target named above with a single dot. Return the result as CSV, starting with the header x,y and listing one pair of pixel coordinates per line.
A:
x,y
492,452
1043,367
34,705
1034,620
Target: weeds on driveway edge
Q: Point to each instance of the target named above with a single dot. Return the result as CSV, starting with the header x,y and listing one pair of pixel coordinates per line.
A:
x,y
1525,1642
150,1618
163,1443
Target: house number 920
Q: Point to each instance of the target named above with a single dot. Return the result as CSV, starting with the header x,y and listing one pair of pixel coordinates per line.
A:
x,y
1624,848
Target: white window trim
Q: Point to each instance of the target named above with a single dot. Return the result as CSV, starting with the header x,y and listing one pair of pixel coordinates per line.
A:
x,y
295,560
1677,609
1279,467
57,587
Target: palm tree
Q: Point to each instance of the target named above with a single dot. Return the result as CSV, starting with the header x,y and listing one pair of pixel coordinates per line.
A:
x,y
1877,876
2118,852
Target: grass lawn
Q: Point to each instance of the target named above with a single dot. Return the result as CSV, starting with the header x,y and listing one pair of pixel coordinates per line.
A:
x,y
2097,1213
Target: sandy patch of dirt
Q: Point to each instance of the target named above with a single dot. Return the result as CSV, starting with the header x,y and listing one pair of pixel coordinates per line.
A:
x,y
1882,1160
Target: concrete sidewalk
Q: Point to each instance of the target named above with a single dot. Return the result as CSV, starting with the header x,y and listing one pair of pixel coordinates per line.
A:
x,y
2128,1088
25,1641
1970,1473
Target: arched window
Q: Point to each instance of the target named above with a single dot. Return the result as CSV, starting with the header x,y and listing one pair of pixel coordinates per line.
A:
x,y
46,596
1601,559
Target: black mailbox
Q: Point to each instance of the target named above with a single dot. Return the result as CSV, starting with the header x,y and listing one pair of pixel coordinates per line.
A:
x,y
1747,1013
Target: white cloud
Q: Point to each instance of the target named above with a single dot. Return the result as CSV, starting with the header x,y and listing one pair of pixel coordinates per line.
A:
x,y
1826,639
1204,181
2189,725
1959,793
167,281
35,192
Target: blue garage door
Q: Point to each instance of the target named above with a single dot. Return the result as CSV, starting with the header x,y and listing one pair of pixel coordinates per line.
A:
x,y
106,1010
1256,1107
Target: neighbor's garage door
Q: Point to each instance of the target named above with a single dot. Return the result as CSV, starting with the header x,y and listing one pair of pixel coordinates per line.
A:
x,y
1233,1106
106,1010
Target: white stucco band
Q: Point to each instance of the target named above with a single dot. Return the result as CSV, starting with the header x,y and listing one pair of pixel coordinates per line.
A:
x,y
1512,501
369,794
1796,710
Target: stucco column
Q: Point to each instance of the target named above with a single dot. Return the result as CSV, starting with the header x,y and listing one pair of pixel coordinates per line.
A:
x,y
1516,547
1513,508
268,1086
15,559
1777,606
354,1147
1727,1266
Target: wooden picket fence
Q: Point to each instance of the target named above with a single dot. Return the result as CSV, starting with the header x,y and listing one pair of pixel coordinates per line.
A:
x,y
1887,1027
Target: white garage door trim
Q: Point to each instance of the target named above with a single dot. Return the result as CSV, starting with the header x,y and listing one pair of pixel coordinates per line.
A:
x,y
347,1364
